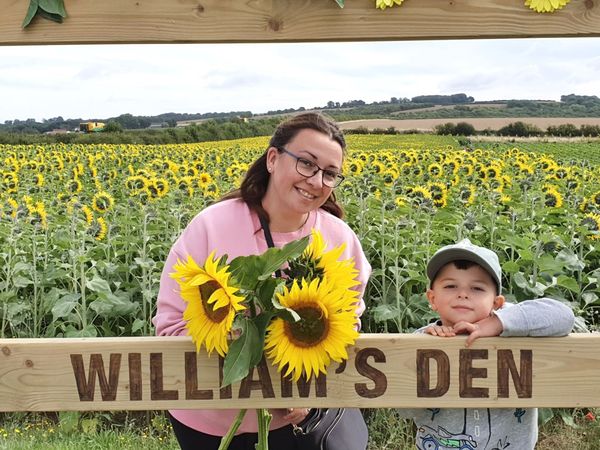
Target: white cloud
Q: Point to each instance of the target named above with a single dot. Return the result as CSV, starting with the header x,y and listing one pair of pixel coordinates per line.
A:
x,y
107,80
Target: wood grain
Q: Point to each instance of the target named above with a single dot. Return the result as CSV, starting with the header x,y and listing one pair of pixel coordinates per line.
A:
x,y
214,21
392,370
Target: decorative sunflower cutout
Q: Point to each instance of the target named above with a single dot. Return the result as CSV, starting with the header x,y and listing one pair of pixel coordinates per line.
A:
x,y
543,6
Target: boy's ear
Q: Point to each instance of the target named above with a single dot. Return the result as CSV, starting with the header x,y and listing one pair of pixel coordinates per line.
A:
x,y
499,301
431,297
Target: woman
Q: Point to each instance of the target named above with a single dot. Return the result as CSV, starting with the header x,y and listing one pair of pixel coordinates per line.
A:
x,y
290,188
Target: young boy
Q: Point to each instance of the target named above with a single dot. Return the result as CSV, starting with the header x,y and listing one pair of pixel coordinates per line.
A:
x,y
465,290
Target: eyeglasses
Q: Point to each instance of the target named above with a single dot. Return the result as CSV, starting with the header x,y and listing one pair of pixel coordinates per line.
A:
x,y
307,168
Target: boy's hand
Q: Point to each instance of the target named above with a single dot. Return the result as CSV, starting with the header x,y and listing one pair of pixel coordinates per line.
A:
x,y
440,330
488,327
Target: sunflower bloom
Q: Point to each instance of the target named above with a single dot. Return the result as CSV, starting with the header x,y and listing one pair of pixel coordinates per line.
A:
x,y
341,274
543,6
592,221
325,328
382,4
102,202
211,302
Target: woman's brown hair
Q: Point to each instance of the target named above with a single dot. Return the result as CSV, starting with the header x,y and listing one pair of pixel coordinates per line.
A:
x,y
254,185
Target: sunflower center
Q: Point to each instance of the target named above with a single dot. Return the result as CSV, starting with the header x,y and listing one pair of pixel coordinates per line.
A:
x,y
206,290
310,329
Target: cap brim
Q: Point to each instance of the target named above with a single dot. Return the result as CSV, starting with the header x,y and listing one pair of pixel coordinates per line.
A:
x,y
444,257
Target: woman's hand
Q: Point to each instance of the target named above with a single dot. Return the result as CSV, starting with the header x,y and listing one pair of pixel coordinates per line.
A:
x,y
296,415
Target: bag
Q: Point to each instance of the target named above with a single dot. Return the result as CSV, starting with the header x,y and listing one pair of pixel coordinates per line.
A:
x,y
332,429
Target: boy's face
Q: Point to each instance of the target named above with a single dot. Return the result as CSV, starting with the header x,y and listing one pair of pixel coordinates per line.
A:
x,y
463,295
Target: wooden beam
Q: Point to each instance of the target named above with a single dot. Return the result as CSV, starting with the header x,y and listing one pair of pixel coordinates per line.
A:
x,y
393,370
210,21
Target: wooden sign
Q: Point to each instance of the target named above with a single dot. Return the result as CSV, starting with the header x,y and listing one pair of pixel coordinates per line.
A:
x,y
203,21
384,370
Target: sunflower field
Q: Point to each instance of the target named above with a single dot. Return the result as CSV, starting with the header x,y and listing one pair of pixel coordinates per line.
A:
x,y
84,229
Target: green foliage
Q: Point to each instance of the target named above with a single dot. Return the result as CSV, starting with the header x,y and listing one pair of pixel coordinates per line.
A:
x,y
520,129
53,10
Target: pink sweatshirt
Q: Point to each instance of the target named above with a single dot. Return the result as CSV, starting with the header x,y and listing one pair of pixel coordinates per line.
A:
x,y
229,227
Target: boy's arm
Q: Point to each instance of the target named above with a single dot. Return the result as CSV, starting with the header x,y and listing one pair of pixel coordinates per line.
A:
x,y
542,317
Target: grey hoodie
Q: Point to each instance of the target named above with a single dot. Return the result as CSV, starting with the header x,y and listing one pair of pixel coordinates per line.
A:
x,y
498,428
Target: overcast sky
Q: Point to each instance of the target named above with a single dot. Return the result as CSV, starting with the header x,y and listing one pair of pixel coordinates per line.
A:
x,y
101,81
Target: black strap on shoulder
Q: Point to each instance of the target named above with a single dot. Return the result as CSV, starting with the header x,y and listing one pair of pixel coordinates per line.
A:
x,y
265,226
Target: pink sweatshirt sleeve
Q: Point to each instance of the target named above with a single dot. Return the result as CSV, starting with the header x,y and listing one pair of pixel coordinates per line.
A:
x,y
170,306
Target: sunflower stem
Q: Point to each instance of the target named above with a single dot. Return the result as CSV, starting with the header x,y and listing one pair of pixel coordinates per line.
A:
x,y
264,419
226,440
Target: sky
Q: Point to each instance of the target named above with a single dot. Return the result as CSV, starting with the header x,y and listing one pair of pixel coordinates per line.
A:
x,y
102,81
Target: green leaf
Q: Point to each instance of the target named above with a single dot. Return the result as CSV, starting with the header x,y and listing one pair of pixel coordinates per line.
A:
x,y
110,305
63,308
240,354
340,3
261,322
568,282
50,16
97,284
248,269
138,324
383,313
544,415
510,267
570,259
547,263
53,7
33,7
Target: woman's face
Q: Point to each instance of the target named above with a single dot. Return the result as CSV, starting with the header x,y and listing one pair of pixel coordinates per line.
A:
x,y
292,192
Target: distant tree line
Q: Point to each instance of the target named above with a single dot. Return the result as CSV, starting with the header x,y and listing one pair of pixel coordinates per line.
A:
x,y
520,129
453,99
126,121
211,130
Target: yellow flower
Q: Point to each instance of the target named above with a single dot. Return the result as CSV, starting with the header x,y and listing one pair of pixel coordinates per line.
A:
x,y
342,274
102,202
211,302
87,214
542,6
592,221
100,229
552,198
382,4
326,327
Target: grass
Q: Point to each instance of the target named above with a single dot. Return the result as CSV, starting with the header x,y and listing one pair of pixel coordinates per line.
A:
x,y
74,431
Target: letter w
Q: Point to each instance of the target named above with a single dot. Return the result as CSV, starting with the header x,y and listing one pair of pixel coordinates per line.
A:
x,y
108,389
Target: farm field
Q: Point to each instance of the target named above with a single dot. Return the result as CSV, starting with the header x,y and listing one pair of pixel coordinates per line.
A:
x,y
479,123
84,230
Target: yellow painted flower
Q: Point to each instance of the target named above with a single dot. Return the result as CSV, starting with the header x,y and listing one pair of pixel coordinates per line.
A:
x,y
382,4
543,6
326,327
211,302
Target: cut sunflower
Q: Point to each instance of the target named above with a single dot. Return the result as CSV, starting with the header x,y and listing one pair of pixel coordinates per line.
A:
x,y
342,274
326,327
211,302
